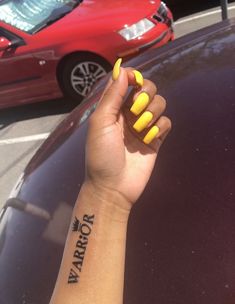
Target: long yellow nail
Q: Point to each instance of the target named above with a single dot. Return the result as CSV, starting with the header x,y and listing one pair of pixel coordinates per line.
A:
x,y
143,121
116,69
138,78
140,103
152,133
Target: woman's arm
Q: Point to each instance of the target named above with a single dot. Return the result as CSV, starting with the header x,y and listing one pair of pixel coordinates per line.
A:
x,y
92,270
121,150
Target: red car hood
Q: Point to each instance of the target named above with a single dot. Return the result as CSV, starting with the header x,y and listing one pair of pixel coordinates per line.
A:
x,y
118,12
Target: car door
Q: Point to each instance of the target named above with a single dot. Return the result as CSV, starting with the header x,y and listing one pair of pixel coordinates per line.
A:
x,y
18,70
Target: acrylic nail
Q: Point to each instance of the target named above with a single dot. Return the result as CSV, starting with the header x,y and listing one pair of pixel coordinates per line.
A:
x,y
138,78
140,103
143,121
116,68
152,133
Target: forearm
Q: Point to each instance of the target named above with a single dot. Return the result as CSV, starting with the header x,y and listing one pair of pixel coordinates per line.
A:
x,y
118,157
92,269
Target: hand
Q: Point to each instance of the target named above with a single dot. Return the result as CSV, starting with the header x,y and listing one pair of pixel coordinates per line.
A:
x,y
117,159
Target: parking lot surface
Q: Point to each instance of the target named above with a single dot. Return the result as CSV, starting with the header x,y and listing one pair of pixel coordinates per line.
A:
x,y
23,129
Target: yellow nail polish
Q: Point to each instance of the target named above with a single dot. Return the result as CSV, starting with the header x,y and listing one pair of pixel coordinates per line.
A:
x,y
143,121
116,69
140,103
138,78
152,133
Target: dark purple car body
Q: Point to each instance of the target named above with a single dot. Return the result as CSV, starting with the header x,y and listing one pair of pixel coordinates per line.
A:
x,y
181,235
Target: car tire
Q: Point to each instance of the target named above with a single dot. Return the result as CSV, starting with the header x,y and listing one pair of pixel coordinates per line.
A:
x,y
79,74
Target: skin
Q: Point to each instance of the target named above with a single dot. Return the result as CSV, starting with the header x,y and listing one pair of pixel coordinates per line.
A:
x,y
118,166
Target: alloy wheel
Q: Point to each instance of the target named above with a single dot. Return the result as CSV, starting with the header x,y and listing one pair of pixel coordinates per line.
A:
x,y
84,75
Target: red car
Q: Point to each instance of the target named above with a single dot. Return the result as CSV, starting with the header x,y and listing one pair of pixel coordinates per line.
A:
x,y
54,48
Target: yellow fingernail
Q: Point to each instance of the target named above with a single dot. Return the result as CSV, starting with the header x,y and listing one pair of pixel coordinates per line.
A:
x,y
116,69
138,78
152,133
143,121
140,103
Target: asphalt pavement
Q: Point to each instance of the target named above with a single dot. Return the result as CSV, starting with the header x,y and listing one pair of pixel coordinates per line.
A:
x,y
23,129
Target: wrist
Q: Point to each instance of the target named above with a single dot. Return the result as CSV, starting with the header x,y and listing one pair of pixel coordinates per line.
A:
x,y
107,201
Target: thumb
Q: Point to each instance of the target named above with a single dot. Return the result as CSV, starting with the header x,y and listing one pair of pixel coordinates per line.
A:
x,y
113,96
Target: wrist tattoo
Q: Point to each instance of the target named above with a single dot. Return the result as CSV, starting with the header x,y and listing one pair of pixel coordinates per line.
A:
x,y
84,230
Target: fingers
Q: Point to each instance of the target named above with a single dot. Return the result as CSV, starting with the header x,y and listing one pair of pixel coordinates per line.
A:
x,y
112,98
152,131
143,98
116,89
144,115
151,113
156,134
143,108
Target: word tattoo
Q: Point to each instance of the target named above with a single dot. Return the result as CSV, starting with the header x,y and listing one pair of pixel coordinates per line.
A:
x,y
84,230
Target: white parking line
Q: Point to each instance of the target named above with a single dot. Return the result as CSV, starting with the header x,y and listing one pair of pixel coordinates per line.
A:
x,y
24,139
203,15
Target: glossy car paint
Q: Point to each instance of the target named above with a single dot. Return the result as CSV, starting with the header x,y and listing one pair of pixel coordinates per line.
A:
x,y
28,73
181,234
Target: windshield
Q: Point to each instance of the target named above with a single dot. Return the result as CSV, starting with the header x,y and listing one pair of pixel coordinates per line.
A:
x,y
31,15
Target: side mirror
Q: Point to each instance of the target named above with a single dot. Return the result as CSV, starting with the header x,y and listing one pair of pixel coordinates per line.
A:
x,y
4,43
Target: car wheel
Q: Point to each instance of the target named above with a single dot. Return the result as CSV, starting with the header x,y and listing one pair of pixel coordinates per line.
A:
x,y
80,73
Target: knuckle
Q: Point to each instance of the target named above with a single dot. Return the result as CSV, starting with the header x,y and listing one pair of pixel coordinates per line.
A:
x,y
166,122
150,86
162,102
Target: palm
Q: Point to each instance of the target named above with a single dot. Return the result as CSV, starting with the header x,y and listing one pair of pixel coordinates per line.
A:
x,y
119,159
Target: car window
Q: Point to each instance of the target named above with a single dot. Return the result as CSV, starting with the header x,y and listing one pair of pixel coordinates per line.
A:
x,y
30,15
